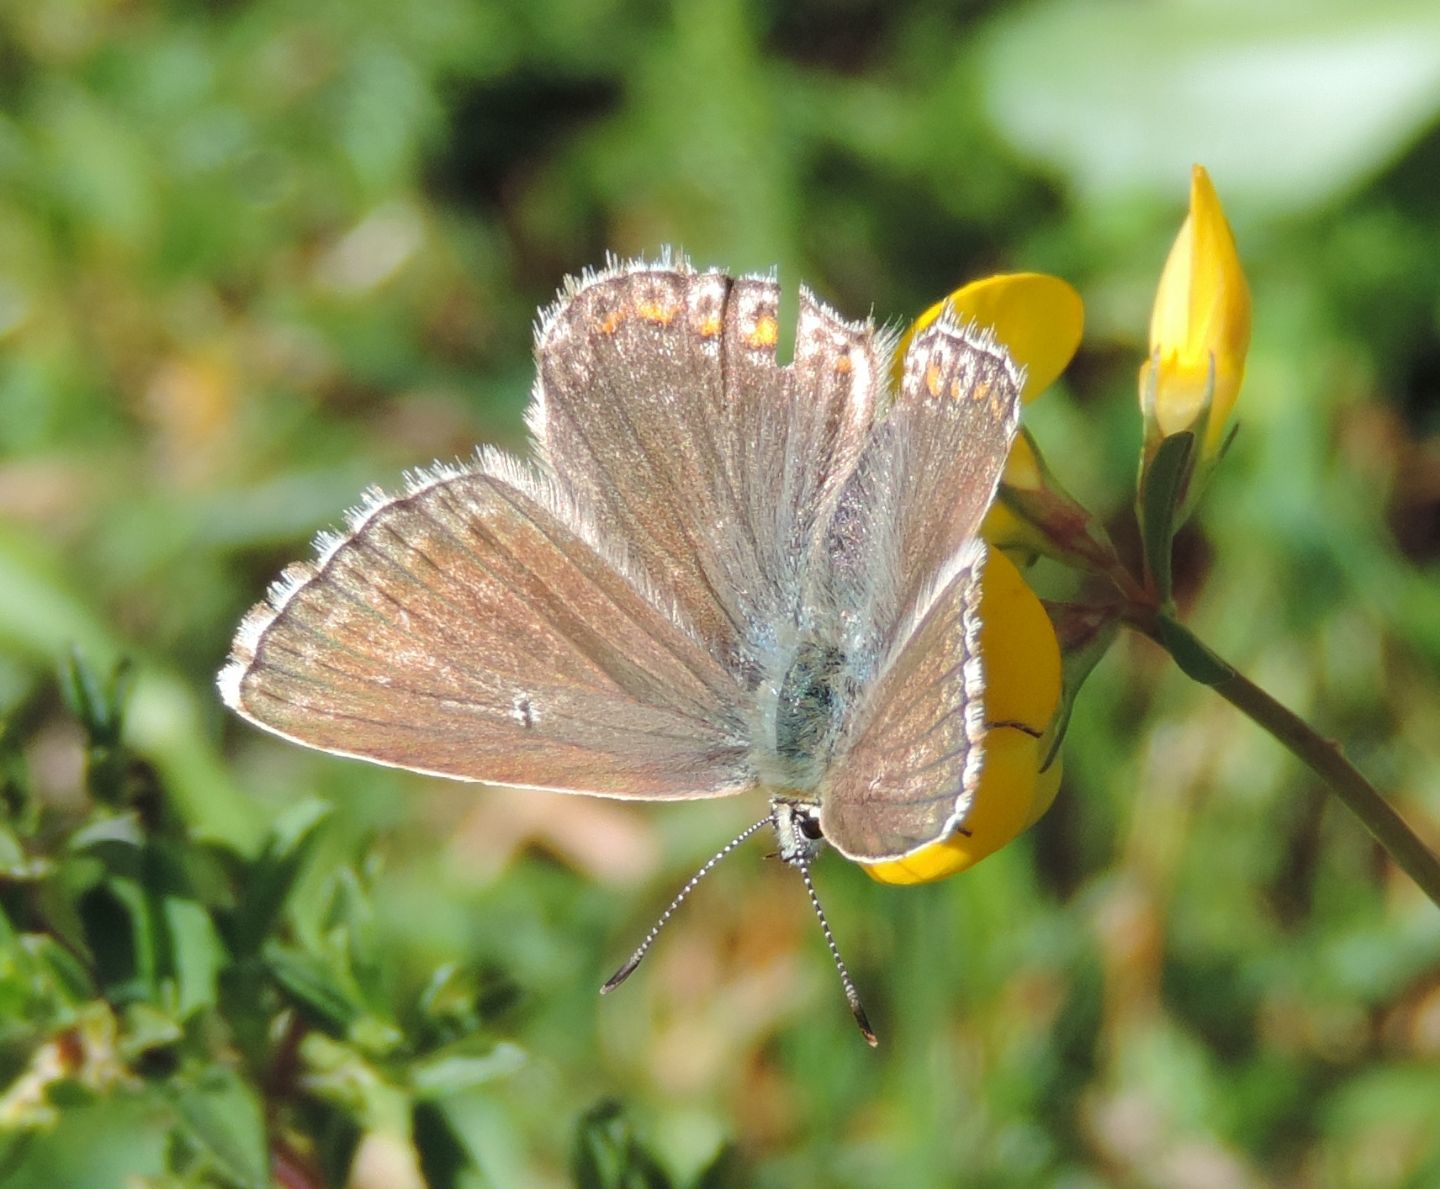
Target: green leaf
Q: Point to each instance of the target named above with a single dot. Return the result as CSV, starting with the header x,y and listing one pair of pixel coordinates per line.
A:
x,y
99,705
1241,87
270,878
127,958
462,1066
1162,488
14,862
450,993
107,832
353,922
606,1154
196,954
292,832
339,1073
313,986
146,1028
443,1155
1085,633
459,1001
63,974
221,1119
376,1035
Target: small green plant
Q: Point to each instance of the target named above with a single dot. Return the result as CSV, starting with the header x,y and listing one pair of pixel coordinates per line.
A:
x,y
233,1034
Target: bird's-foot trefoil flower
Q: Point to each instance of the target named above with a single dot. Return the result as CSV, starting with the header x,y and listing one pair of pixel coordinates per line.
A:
x,y
1199,337
1035,656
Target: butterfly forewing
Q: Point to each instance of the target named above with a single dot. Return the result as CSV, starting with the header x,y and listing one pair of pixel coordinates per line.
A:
x,y
661,406
472,629
956,415
925,480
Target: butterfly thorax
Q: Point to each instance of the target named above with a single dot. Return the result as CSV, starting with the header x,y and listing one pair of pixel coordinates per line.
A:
x,y
801,727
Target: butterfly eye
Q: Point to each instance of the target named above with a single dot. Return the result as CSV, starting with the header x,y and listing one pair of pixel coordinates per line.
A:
x,y
810,827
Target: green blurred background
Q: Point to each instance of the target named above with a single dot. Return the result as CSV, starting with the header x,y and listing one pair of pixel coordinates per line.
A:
x,y
256,256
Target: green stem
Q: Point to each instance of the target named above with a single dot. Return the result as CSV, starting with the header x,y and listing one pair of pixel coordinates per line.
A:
x,y
1320,755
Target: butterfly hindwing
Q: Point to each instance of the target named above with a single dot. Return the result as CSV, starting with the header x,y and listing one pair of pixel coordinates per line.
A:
x,y
907,777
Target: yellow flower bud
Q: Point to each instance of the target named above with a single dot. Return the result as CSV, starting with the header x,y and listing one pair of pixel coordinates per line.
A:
x,y
1200,325
1021,663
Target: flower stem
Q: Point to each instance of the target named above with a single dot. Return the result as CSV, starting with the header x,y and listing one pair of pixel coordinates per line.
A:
x,y
1322,756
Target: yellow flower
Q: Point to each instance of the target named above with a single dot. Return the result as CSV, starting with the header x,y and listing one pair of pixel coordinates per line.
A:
x,y
1021,662
1200,327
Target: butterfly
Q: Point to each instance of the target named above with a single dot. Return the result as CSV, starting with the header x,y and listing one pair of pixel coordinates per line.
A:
x,y
717,575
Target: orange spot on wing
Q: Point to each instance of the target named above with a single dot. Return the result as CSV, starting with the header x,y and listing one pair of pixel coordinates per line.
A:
x,y
766,333
656,312
932,379
611,322
710,326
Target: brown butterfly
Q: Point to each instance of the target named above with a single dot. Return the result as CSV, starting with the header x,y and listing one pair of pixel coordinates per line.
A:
x,y
718,575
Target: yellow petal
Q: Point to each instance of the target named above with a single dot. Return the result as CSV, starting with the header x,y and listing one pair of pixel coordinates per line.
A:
x,y
1021,661
1018,649
1001,527
1201,316
1038,318
1022,467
